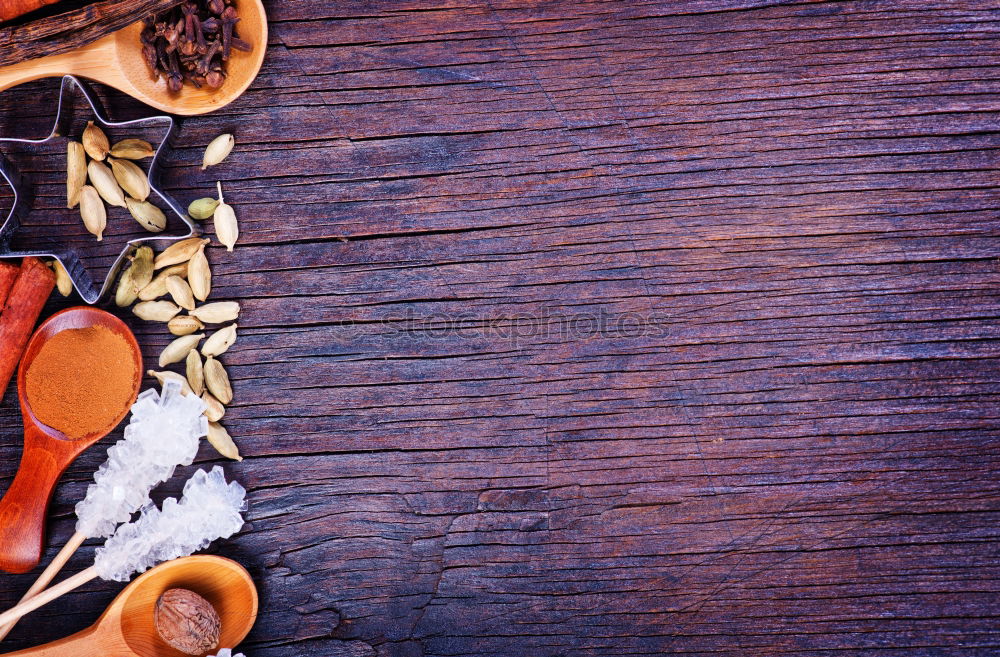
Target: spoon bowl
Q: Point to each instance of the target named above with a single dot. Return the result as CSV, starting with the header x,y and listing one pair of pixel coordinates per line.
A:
x,y
117,61
127,628
47,451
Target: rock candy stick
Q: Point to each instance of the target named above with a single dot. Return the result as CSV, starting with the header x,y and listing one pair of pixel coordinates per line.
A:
x,y
164,432
210,508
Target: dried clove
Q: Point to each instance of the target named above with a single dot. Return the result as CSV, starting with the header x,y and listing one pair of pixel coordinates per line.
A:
x,y
190,43
229,21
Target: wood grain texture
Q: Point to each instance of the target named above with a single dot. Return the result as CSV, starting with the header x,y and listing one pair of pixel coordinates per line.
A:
x,y
606,328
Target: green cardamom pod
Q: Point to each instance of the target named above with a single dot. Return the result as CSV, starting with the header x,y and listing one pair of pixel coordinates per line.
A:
x,y
104,182
130,178
180,292
95,141
214,410
217,312
95,218
148,215
200,275
220,341
132,149
223,443
218,150
226,227
63,282
135,277
184,325
203,208
76,172
217,380
167,375
157,287
178,350
156,311
179,252
195,371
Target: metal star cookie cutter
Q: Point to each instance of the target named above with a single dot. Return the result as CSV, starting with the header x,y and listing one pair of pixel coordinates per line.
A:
x,y
23,194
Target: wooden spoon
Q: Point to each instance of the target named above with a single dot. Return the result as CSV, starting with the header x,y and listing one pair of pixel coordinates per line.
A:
x,y
126,628
48,452
117,61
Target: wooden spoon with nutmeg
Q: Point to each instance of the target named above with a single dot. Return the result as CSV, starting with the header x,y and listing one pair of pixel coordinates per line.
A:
x,y
138,623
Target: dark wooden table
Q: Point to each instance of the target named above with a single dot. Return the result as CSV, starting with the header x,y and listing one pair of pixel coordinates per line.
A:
x,y
606,328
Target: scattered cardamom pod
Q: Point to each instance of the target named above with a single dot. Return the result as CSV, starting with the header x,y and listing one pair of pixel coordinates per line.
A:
x,y
166,375
220,341
130,178
200,275
217,381
214,410
223,442
179,252
203,208
178,350
180,292
132,149
158,286
155,311
125,293
217,312
135,277
184,325
95,141
104,182
76,172
95,218
63,282
217,150
226,227
148,215
195,372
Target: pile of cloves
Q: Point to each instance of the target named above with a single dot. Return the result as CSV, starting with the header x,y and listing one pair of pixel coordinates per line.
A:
x,y
192,42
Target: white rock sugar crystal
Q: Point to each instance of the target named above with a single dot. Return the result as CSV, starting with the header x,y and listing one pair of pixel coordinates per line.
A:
x,y
226,652
209,509
163,433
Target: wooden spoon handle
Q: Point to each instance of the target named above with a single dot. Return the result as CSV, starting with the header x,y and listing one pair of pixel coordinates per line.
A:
x,y
11,76
24,508
95,61
87,643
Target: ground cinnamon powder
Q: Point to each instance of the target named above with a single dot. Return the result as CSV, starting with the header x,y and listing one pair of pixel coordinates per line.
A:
x,y
81,380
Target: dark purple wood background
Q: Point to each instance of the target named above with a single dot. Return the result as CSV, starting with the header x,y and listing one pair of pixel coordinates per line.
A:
x,y
607,328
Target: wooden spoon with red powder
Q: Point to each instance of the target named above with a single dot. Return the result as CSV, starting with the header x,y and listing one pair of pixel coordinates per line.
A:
x,y
78,378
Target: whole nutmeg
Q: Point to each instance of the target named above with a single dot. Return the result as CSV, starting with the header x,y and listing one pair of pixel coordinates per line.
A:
x,y
187,621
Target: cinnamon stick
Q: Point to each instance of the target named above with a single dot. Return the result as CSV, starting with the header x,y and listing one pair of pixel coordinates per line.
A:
x,y
72,29
8,274
13,8
29,293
